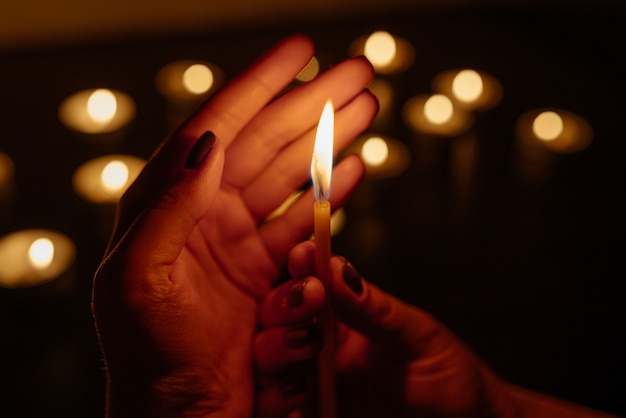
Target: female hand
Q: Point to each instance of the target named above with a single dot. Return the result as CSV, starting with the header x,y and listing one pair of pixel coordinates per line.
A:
x,y
177,294
392,359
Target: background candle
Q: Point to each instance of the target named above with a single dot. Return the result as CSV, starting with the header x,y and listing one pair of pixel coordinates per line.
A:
x,y
105,179
97,111
33,257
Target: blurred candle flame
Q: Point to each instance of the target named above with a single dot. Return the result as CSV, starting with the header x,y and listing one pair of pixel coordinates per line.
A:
x,y
380,48
467,86
102,105
41,253
114,175
322,161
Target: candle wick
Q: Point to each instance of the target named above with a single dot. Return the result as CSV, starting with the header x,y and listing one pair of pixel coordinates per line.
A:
x,y
317,180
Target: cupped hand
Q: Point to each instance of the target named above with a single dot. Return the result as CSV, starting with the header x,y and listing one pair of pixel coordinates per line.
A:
x,y
177,295
392,359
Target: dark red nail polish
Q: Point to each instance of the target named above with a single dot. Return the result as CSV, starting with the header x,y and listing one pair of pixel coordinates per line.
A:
x,y
295,296
200,150
352,277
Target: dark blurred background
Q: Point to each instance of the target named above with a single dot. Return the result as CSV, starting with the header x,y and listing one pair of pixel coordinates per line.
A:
x,y
521,255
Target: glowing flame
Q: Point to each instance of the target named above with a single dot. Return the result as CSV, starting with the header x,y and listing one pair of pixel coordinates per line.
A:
x,y
467,86
438,109
374,151
41,253
198,79
114,176
380,48
322,161
102,105
548,126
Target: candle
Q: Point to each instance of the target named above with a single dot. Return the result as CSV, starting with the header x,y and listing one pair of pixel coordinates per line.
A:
x,y
33,257
97,111
105,179
436,114
471,90
321,170
388,53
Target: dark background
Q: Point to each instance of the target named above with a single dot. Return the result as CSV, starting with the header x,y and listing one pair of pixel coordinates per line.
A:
x,y
528,269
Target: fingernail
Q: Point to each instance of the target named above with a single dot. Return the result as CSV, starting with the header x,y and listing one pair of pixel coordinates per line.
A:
x,y
352,277
295,296
200,150
298,338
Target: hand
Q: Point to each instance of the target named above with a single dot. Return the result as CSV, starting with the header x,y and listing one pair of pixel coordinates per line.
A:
x,y
177,295
392,359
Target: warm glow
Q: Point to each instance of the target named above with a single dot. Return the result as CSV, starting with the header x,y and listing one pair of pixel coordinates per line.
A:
x,y
322,161
374,151
380,48
438,109
309,71
41,253
102,105
467,86
198,79
548,126
337,221
114,176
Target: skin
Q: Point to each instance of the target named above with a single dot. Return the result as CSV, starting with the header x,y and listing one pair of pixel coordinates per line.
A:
x,y
177,296
392,359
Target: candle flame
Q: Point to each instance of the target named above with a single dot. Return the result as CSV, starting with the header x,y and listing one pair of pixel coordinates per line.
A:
x,y
322,161
41,253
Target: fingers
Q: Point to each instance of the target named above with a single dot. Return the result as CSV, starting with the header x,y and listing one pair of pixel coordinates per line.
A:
x,y
382,318
157,237
296,224
225,115
228,112
399,327
292,115
290,169
285,348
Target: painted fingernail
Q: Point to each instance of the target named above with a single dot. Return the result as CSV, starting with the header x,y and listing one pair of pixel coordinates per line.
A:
x,y
295,296
352,277
200,150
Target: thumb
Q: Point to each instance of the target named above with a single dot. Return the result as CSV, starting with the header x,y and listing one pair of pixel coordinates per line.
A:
x,y
382,318
158,235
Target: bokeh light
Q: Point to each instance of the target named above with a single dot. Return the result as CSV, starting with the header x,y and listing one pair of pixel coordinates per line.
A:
x,y
197,79
102,105
310,71
374,151
380,48
468,88
438,109
97,111
467,85
187,82
387,52
548,125
114,176
33,257
382,155
41,253
558,130
104,179
435,114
